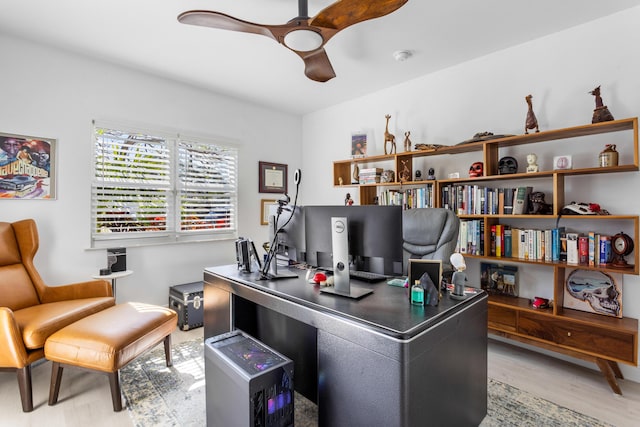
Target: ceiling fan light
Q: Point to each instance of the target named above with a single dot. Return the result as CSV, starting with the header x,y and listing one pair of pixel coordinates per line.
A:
x,y
303,40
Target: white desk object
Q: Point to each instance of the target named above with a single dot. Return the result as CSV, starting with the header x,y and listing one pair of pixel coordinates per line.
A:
x,y
113,277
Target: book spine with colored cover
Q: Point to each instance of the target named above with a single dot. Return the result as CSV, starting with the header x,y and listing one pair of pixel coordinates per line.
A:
x,y
508,201
583,250
464,229
492,240
507,241
592,248
521,202
572,248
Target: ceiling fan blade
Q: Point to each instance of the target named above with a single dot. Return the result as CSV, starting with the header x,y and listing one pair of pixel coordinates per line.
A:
x,y
317,65
344,13
206,18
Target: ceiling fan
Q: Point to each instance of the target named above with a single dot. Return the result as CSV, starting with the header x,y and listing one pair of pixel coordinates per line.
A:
x,y
304,35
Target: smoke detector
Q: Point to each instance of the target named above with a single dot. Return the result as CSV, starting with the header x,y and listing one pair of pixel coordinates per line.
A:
x,y
402,55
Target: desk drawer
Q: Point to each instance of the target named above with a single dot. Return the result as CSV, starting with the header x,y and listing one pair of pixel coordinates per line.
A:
x,y
606,342
502,318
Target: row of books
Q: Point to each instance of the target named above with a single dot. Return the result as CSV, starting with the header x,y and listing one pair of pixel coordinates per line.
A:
x,y
478,200
549,245
411,198
369,175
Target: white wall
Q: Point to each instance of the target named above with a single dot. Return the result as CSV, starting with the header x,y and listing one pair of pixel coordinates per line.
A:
x,y
487,94
54,94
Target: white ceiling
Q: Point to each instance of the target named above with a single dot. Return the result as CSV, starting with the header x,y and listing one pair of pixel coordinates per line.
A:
x,y
144,34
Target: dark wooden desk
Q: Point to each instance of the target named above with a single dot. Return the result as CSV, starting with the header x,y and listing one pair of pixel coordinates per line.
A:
x,y
368,362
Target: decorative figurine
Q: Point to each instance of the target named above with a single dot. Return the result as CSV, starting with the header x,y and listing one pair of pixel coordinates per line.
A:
x,y
407,141
388,176
507,165
432,174
389,137
356,174
537,204
532,121
418,175
532,165
405,173
608,156
459,277
348,201
601,112
476,169
340,180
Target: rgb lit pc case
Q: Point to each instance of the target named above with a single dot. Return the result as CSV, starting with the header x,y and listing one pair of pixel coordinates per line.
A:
x,y
248,384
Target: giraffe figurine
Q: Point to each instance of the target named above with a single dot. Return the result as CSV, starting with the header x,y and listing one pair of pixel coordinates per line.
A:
x,y
532,121
389,137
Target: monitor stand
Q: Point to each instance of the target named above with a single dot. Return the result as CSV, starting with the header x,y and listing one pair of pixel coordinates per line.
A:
x,y
273,274
340,248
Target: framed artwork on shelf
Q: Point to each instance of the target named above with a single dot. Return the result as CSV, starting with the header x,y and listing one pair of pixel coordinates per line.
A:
x,y
562,162
358,145
27,167
594,292
499,279
265,205
272,177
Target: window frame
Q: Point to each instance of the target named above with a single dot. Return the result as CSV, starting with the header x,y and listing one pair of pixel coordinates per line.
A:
x,y
173,216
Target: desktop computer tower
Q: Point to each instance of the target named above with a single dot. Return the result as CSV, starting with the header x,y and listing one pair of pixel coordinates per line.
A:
x,y
247,383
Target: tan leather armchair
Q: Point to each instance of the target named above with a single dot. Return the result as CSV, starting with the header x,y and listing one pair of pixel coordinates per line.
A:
x,y
30,311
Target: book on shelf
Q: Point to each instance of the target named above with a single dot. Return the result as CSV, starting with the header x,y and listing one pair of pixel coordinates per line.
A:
x,y
521,202
463,236
508,201
591,236
508,242
572,248
583,250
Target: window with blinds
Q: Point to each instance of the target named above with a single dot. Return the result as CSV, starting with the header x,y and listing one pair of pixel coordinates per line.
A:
x,y
154,188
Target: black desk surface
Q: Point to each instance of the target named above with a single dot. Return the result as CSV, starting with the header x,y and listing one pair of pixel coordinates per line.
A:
x,y
387,309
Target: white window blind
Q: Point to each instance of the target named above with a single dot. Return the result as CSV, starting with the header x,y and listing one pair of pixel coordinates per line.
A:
x,y
161,188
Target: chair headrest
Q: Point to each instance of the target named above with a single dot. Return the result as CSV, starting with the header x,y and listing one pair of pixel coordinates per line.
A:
x,y
9,251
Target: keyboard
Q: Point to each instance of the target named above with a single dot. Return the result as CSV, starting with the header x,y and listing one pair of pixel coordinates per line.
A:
x,y
365,276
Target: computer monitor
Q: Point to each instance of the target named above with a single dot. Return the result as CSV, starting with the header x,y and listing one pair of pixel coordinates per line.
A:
x,y
375,237
290,242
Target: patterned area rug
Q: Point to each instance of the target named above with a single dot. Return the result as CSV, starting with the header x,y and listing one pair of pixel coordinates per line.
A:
x,y
175,396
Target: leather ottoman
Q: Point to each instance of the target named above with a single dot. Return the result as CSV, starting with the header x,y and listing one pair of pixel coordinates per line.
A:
x,y
107,341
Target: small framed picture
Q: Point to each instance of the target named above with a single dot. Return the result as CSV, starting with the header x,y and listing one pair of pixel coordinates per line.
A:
x,y
562,162
498,279
417,267
358,144
265,205
272,177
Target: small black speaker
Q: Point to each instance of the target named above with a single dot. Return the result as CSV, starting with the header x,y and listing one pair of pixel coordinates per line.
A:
x,y
117,259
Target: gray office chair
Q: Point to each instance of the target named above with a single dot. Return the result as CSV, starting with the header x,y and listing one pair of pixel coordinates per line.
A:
x,y
430,233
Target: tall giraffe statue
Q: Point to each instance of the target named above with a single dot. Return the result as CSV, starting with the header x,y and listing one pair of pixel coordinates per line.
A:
x,y
531,121
389,137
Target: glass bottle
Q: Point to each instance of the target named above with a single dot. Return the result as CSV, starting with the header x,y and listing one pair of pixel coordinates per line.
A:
x,y
417,294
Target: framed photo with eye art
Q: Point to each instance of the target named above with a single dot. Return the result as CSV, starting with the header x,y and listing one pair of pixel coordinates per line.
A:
x,y
272,177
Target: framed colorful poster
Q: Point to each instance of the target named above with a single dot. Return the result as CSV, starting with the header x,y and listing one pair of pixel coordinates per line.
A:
x,y
27,167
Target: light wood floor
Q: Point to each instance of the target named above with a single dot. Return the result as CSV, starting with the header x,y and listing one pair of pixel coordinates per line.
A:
x,y
85,399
